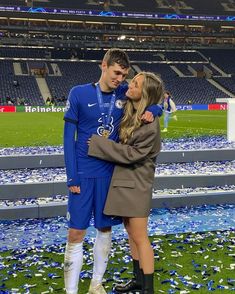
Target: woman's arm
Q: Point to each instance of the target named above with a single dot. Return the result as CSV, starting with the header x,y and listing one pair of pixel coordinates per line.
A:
x,y
109,150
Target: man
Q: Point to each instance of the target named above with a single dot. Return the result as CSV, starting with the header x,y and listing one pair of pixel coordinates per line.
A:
x,y
92,109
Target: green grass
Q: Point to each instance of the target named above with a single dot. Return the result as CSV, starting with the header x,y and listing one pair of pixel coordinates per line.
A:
x,y
199,258
197,123
42,129
31,129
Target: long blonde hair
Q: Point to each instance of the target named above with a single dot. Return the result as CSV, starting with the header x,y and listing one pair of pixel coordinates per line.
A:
x,y
152,93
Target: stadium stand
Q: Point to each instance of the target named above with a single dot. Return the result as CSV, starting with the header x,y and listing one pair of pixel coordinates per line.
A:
x,y
24,68
188,81
184,69
22,52
227,82
224,58
184,56
198,90
23,87
162,6
73,73
77,47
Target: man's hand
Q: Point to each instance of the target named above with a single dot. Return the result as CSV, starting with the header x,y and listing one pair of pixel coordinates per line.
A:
x,y
75,189
147,117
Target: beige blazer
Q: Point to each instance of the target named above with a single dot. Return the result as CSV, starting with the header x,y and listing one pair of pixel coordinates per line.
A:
x,y
130,191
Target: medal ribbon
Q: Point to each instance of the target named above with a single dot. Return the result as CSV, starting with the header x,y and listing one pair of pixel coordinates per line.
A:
x,y
106,118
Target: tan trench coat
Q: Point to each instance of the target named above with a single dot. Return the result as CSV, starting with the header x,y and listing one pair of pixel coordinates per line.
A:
x,y
130,191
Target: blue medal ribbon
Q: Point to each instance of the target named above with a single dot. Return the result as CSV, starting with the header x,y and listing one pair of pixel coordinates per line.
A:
x,y
106,117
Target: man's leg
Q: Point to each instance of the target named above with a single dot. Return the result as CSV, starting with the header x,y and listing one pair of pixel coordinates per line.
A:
x,y
79,214
102,246
73,260
101,251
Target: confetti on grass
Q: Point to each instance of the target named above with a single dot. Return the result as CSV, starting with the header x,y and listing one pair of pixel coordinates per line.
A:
x,y
191,143
41,175
180,265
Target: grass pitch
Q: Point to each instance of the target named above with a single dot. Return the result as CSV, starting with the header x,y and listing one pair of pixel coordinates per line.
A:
x,y
184,263
43,129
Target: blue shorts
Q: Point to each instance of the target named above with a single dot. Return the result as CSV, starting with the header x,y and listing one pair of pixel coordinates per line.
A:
x,y
90,202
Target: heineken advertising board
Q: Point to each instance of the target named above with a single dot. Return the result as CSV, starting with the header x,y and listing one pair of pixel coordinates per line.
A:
x,y
11,108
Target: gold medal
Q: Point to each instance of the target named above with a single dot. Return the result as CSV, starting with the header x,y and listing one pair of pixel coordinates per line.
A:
x,y
105,133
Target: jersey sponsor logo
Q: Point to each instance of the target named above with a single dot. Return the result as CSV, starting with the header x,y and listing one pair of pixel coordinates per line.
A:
x,y
67,106
91,104
110,128
119,103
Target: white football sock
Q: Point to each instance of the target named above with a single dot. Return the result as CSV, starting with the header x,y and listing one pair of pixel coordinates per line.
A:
x,y
73,260
101,251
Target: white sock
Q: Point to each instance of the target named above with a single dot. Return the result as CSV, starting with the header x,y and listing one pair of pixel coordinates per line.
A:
x,y
73,260
101,251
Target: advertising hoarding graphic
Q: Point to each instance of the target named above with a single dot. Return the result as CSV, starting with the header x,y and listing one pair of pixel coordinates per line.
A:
x,y
7,108
30,109
218,106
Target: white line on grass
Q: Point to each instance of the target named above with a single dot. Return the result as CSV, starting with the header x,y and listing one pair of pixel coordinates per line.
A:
x,y
199,128
204,115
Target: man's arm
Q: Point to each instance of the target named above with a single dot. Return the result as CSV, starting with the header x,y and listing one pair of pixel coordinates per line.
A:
x,y
70,128
73,180
151,112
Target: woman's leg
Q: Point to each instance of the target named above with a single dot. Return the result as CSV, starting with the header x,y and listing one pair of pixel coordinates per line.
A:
x,y
138,234
137,231
134,284
166,119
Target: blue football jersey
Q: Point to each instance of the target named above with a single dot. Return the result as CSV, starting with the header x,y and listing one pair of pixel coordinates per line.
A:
x,y
83,110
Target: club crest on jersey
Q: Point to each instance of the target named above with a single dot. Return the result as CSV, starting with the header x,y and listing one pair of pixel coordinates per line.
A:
x,y
119,103
67,106
101,129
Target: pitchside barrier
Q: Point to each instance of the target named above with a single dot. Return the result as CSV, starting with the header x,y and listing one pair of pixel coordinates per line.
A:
x,y
45,109
230,106
46,189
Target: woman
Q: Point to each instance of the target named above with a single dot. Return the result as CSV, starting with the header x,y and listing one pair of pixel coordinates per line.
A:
x,y
130,191
169,109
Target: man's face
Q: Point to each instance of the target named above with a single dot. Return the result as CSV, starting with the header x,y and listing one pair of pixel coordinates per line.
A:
x,y
113,75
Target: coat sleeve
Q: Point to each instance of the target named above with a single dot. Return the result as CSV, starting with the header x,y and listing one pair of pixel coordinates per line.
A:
x,y
109,150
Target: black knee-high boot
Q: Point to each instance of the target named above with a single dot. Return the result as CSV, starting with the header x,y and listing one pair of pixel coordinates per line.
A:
x,y
148,287
134,284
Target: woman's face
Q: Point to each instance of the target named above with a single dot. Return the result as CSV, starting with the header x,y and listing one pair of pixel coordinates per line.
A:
x,y
166,95
135,88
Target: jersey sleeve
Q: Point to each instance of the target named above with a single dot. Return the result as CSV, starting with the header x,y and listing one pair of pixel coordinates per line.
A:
x,y
156,109
121,92
72,107
70,154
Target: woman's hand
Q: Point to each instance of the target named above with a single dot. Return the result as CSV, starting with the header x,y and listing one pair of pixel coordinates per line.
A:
x,y
89,141
147,117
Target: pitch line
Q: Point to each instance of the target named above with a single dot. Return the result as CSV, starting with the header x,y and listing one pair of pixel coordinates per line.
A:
x,y
200,128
